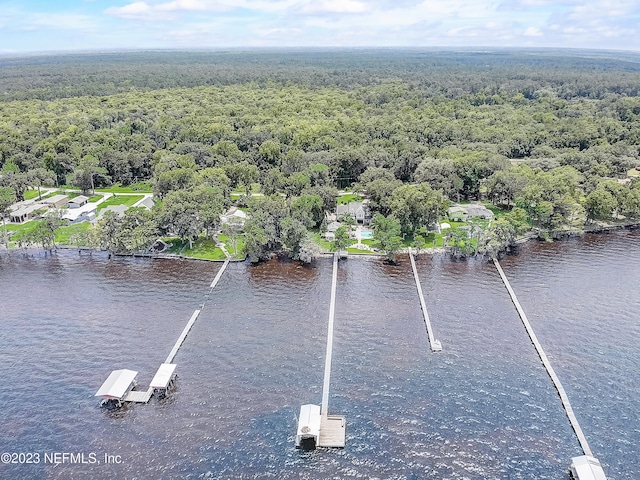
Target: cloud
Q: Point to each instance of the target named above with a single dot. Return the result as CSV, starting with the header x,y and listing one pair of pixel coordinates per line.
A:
x,y
132,11
532,32
334,6
167,10
65,21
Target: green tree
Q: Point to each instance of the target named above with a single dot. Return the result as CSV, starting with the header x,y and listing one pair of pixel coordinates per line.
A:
x,y
296,183
600,204
137,230
308,210
40,177
233,230
44,231
386,231
11,176
458,242
417,206
342,239
84,174
440,174
242,173
270,152
211,204
179,214
308,250
273,181
7,198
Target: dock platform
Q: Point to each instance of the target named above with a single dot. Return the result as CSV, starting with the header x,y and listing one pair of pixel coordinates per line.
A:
x,y
332,431
139,396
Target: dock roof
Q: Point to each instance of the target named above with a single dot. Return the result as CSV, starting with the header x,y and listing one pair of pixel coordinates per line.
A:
x,y
163,376
117,384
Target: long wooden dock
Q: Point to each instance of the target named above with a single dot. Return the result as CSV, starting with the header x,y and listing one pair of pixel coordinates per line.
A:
x,y
332,427
195,315
436,346
143,396
547,364
324,410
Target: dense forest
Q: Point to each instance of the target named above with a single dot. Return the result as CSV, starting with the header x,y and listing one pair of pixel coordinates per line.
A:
x,y
550,137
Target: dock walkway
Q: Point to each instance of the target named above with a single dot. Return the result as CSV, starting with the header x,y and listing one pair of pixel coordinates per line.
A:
x,y
332,427
139,396
547,364
324,411
195,315
436,346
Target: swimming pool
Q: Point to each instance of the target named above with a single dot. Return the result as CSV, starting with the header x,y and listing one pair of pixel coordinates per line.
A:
x,y
366,235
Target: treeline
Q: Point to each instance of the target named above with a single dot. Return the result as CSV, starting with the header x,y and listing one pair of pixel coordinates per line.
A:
x,y
549,134
448,72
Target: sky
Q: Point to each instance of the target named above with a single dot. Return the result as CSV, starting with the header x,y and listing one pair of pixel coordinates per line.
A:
x,y
76,25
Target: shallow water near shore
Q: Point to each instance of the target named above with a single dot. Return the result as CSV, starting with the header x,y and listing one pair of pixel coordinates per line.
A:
x,y
482,408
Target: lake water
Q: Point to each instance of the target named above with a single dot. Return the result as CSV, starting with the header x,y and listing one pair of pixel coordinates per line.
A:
x,y
482,408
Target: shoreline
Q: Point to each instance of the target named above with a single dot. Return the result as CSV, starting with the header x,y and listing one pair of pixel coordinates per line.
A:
x,y
529,236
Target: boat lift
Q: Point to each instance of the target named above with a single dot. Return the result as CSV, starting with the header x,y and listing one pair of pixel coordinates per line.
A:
x,y
164,379
117,386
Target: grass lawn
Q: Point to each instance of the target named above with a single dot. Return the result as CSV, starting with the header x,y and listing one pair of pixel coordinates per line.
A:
x,y
319,239
497,211
240,190
20,230
64,234
140,187
348,198
95,198
357,251
205,248
239,246
30,194
438,237
128,200
454,224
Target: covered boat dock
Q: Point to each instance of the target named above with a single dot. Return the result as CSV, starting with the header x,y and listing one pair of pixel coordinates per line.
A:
x,y
117,386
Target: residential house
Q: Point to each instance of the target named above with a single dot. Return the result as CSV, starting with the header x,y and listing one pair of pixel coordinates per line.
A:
x,y
146,202
359,211
77,202
117,209
25,212
462,213
56,201
234,215
84,213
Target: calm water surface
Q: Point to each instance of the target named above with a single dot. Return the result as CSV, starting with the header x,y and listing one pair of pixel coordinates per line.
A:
x,y
482,408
